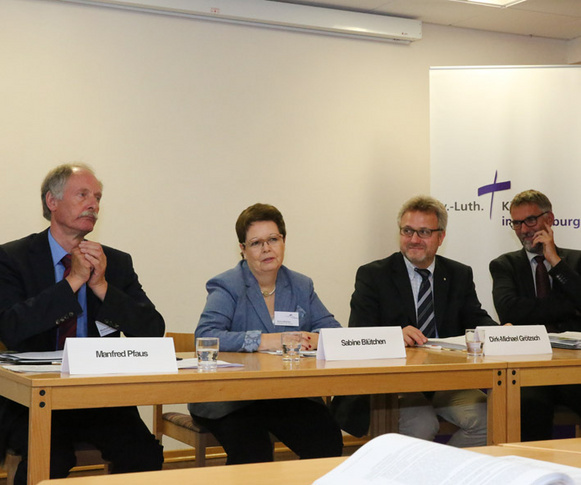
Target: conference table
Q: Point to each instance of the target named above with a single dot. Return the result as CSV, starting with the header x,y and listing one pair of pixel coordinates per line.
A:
x,y
305,472
262,376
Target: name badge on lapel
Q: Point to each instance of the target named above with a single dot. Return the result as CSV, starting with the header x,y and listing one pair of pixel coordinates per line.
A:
x,y
286,319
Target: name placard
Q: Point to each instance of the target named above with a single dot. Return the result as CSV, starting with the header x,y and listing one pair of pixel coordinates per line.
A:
x,y
135,355
361,343
516,340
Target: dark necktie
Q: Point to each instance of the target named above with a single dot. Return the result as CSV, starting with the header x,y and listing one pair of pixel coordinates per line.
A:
x,y
426,317
542,278
68,328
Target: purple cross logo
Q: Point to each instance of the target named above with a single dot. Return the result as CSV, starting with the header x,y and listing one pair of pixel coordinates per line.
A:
x,y
492,188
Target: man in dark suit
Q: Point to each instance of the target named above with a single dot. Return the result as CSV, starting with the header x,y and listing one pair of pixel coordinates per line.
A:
x,y
57,284
428,296
539,285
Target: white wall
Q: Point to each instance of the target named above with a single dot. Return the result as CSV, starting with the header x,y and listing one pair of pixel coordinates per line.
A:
x,y
188,122
574,51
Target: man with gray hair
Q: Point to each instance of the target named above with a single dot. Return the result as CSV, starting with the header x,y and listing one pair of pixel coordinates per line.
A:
x,y
539,285
428,296
56,285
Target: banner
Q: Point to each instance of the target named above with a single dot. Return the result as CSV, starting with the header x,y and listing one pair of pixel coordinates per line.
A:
x,y
496,131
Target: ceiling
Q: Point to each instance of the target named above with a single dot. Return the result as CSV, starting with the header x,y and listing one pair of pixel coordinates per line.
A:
x,y
555,19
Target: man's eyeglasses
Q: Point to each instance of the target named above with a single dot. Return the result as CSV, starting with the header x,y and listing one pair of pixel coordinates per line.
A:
x,y
424,232
257,244
530,221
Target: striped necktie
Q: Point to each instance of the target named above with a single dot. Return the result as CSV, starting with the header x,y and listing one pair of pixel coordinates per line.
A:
x,y
426,317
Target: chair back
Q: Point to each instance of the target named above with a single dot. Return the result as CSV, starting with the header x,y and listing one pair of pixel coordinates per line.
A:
x,y
183,342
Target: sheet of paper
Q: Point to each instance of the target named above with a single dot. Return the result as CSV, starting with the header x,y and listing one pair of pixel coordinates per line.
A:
x,y
54,355
34,368
401,460
193,364
568,334
454,343
566,340
571,471
304,353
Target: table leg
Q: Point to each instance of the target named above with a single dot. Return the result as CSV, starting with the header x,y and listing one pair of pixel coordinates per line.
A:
x,y
513,406
497,412
158,421
384,414
39,422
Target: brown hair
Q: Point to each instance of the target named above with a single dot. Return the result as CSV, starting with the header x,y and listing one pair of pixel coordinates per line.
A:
x,y
255,213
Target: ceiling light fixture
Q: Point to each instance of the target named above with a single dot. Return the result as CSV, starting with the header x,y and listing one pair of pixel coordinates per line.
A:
x,y
492,3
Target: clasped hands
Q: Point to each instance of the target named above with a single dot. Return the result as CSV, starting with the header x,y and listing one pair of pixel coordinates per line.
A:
x,y
88,265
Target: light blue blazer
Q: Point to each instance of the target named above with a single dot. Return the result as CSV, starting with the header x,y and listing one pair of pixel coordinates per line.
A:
x,y
235,306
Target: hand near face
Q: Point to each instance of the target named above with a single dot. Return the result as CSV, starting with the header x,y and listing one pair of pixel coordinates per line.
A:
x,y
413,336
546,237
95,257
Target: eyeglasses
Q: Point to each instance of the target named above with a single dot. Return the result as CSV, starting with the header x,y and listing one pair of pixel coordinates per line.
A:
x,y
424,232
257,244
529,221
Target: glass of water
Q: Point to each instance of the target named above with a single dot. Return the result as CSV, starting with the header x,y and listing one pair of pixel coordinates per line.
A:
x,y
474,341
291,346
207,350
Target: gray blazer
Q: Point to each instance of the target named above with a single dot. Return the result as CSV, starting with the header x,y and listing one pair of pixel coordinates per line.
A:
x,y
235,306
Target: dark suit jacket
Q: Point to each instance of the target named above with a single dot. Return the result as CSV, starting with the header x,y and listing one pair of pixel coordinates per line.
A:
x,y
383,297
513,291
32,304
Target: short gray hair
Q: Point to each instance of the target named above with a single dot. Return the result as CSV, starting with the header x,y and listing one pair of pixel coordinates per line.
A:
x,y
55,182
425,203
531,197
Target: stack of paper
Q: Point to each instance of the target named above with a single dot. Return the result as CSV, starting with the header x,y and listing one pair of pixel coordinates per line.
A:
x,y
31,358
452,343
393,459
566,340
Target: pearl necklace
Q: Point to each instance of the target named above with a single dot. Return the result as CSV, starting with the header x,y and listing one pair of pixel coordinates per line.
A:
x,y
266,294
